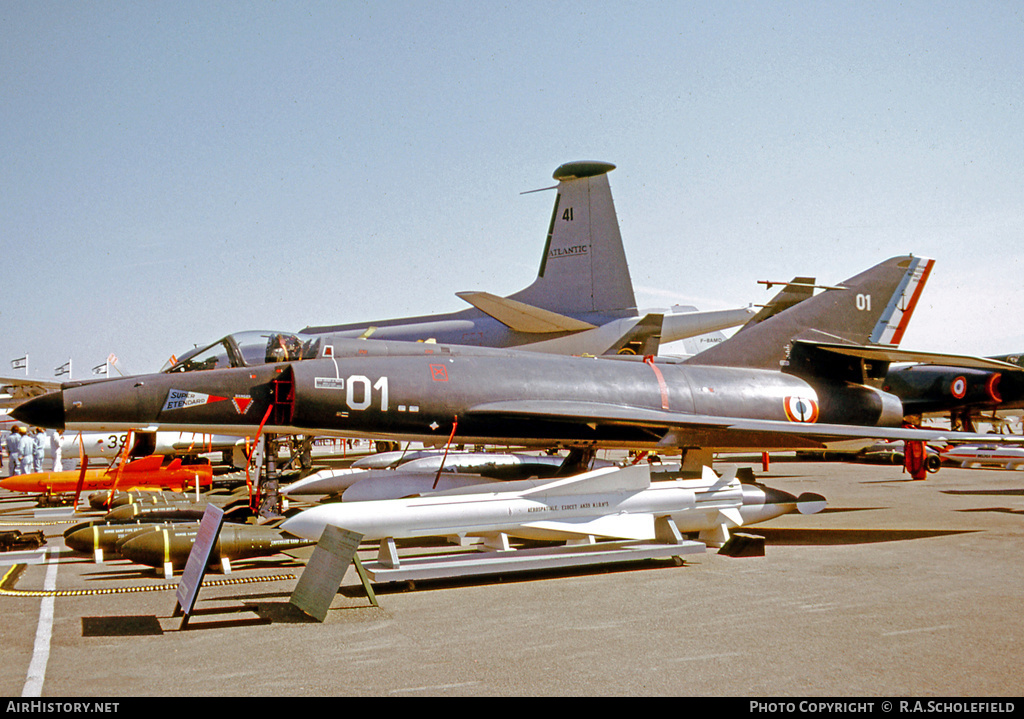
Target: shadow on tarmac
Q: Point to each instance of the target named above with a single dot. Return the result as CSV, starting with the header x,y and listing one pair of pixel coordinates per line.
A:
x,y
834,537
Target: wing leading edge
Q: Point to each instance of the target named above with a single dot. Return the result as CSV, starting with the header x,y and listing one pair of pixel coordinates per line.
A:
x,y
680,429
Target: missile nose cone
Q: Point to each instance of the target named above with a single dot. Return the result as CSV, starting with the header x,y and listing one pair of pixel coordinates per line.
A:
x,y
307,524
44,411
80,540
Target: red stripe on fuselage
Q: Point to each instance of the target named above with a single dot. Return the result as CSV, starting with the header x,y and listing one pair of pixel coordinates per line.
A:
x,y
649,361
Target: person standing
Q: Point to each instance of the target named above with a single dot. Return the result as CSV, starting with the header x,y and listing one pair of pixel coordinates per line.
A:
x,y
39,442
13,444
57,449
26,448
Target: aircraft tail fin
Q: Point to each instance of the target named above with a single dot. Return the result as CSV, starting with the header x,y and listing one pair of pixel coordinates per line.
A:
x,y
584,265
873,307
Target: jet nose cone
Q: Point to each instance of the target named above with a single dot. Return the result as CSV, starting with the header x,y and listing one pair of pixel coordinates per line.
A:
x,y
45,411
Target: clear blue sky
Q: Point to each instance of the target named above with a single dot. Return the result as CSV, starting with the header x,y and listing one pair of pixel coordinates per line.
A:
x,y
174,171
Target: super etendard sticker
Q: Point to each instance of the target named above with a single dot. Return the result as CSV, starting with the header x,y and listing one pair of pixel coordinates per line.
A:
x,y
181,399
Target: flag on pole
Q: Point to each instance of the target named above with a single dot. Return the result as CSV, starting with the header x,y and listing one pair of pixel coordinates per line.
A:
x,y
20,363
101,369
63,369
112,362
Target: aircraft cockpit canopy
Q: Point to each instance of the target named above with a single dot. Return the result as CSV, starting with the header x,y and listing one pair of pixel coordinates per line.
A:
x,y
247,349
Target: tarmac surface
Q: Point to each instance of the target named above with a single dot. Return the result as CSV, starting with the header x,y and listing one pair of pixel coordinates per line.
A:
x,y
898,589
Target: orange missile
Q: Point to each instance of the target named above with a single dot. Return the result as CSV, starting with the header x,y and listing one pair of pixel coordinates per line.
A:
x,y
144,473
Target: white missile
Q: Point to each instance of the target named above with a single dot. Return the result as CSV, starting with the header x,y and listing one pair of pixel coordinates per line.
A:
x,y
985,455
386,460
396,485
484,462
326,481
431,459
612,502
407,475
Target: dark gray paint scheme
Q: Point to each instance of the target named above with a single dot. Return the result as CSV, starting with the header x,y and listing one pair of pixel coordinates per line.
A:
x,y
422,392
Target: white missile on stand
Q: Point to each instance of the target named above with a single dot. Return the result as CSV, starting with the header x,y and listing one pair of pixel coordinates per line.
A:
x,y
611,502
390,475
970,456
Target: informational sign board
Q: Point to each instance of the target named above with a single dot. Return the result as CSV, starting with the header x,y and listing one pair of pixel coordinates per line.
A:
x,y
325,570
198,561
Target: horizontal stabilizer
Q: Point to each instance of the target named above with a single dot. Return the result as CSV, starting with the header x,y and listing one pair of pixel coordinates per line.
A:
x,y
617,526
642,339
793,293
522,317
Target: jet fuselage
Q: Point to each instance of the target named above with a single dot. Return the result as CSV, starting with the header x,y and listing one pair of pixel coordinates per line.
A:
x,y
423,392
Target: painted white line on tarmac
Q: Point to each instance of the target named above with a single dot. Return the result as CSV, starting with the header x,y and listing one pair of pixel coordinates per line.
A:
x,y
938,628
41,651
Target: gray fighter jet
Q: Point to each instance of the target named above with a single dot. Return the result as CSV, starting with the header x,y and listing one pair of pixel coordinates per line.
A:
x,y
799,379
582,301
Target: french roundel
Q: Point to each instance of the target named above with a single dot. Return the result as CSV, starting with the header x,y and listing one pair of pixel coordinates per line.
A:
x,y
959,387
801,409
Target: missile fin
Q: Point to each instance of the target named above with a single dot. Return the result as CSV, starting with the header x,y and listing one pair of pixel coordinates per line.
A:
x,y
606,479
731,516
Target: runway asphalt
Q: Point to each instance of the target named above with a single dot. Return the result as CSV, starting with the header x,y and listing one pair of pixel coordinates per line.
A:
x,y
898,589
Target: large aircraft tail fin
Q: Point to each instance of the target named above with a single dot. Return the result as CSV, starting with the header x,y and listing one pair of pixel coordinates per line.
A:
x,y
584,265
873,307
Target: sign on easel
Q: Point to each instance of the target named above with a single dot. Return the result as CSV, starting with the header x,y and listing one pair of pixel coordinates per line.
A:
x,y
325,570
198,561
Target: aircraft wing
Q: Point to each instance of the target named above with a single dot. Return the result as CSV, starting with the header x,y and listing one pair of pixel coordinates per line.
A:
x,y
522,317
20,389
679,429
894,354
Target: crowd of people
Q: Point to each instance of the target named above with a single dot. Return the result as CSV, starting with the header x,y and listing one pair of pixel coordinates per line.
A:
x,y
26,449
